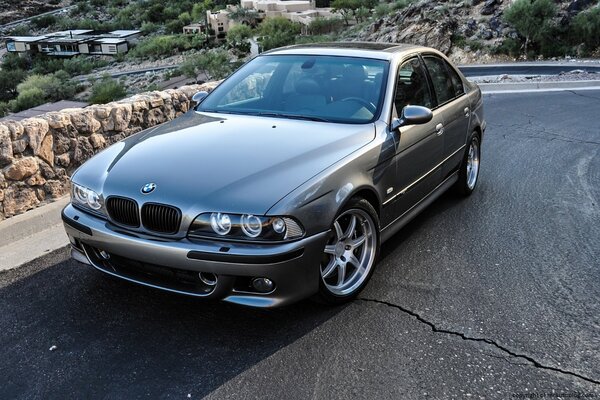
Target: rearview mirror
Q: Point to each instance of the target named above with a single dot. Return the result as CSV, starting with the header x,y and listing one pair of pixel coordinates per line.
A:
x,y
198,97
412,115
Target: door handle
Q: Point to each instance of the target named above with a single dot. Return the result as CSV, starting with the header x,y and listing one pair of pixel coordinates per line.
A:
x,y
439,129
467,112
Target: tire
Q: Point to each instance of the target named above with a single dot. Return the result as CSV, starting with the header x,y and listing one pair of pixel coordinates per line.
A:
x,y
346,254
468,174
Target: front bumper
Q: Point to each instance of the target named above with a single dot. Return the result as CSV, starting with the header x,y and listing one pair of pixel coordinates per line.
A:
x,y
148,260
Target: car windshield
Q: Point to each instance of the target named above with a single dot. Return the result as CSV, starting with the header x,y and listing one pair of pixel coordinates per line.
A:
x,y
319,88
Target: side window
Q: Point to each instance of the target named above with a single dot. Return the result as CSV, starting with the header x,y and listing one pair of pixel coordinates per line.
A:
x,y
411,86
456,81
442,82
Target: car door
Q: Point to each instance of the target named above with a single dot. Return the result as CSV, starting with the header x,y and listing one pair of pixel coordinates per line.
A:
x,y
453,104
420,147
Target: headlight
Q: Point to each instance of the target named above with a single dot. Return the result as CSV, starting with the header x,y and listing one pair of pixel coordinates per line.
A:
x,y
86,198
245,227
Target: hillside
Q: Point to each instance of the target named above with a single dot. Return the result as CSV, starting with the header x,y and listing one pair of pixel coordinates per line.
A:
x,y
469,30
11,10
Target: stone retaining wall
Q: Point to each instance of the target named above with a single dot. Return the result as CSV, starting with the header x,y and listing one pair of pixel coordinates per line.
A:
x,y
37,155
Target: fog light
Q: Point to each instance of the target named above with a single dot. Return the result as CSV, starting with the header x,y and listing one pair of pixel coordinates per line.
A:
x,y
208,278
263,285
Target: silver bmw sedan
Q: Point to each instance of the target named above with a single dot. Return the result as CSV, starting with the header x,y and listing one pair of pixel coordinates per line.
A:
x,y
282,183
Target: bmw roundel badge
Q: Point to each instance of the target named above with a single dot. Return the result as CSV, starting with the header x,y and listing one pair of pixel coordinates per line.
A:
x,y
148,188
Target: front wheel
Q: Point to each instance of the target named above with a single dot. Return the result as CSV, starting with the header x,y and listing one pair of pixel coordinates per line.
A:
x,y
350,253
469,168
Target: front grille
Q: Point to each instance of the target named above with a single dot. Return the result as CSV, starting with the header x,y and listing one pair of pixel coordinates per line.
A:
x,y
161,218
123,211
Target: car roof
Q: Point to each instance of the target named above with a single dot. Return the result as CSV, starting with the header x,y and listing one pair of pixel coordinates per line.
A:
x,y
378,50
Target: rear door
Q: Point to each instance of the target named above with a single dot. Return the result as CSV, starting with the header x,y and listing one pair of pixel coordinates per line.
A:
x,y
420,147
453,104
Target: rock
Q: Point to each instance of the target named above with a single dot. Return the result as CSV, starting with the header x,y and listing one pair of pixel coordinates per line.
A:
x,y
57,188
1,199
36,130
578,5
15,128
83,151
84,122
22,168
63,160
97,141
6,148
45,151
488,7
19,198
121,115
57,120
36,180
3,183
19,146
47,170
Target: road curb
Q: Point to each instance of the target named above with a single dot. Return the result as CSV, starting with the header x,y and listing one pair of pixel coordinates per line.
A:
x,y
538,86
27,236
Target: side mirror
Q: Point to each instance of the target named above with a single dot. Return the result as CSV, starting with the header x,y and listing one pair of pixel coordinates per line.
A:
x,y
198,97
412,115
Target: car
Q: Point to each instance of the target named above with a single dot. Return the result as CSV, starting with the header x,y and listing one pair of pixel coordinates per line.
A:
x,y
282,183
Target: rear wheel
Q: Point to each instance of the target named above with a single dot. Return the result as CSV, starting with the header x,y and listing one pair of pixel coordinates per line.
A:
x,y
468,174
350,253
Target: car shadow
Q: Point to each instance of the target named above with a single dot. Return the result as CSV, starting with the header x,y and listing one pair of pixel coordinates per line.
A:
x,y
115,339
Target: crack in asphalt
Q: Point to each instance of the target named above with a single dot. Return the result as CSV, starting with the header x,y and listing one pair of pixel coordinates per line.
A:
x,y
583,95
540,133
491,342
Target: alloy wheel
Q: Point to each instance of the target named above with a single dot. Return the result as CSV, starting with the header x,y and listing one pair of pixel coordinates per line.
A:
x,y
350,253
473,163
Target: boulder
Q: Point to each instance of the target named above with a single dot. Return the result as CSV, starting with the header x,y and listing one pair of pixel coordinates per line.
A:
x,y
6,147
46,152
36,130
18,199
22,168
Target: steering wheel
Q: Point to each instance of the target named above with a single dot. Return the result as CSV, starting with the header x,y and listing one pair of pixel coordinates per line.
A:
x,y
367,104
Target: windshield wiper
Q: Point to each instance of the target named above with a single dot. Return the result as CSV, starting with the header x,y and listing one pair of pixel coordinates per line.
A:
x,y
293,116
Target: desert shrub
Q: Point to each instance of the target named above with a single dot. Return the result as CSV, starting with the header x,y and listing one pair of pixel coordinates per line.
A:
x,y
585,28
532,19
215,64
27,99
54,87
277,32
382,9
160,46
321,26
44,21
106,90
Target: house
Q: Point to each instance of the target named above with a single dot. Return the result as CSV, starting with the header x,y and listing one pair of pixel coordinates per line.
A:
x,y
74,42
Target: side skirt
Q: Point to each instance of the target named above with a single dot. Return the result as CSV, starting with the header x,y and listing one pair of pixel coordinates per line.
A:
x,y
391,229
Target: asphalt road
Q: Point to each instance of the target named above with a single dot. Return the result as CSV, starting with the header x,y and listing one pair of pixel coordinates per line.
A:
x,y
495,296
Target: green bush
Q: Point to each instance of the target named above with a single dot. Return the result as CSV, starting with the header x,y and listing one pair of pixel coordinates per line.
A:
x,y
106,90
4,109
28,98
215,64
54,87
277,32
585,28
44,21
9,79
161,46
321,26
533,21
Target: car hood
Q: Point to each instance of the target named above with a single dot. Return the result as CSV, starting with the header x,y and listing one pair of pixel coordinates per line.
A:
x,y
221,162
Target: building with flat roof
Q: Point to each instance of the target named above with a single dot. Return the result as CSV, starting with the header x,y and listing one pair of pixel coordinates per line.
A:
x,y
74,42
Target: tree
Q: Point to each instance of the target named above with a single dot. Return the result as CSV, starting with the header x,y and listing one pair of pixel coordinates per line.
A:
x,y
277,32
358,9
532,19
106,90
237,38
245,16
9,79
